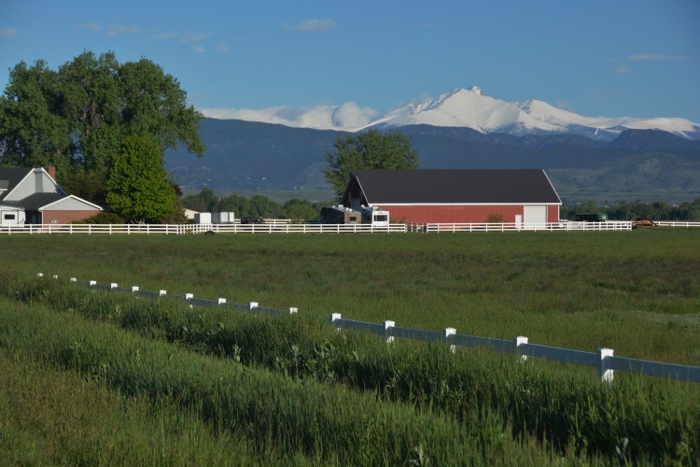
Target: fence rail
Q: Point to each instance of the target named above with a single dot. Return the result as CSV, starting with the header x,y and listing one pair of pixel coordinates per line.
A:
x,y
272,227
603,359
185,229
522,226
677,224
188,298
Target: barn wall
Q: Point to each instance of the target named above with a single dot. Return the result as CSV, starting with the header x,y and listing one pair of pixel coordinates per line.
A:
x,y
66,217
451,214
553,213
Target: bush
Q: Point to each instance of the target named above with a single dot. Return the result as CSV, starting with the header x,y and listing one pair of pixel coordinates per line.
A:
x,y
103,218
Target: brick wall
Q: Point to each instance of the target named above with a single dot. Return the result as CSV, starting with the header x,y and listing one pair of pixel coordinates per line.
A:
x,y
66,217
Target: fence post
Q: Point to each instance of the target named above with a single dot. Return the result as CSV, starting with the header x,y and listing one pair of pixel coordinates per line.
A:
x,y
604,373
336,317
518,341
450,332
387,331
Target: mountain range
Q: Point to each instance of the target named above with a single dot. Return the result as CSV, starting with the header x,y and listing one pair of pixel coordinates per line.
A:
x,y
608,159
463,108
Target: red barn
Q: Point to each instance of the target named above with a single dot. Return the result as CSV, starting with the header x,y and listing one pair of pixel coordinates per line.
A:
x,y
523,196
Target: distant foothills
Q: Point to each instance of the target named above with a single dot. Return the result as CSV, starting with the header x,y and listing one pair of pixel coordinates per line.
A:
x,y
637,164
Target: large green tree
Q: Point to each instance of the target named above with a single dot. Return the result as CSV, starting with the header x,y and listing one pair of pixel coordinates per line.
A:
x,y
137,186
369,149
77,117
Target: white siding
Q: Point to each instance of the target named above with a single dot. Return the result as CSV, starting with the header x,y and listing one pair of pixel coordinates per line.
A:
x,y
37,182
69,204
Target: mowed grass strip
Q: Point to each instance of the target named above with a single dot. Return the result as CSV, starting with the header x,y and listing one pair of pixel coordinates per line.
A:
x,y
636,292
324,423
564,404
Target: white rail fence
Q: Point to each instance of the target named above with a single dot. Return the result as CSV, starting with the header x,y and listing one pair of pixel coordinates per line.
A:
x,y
186,229
188,298
271,227
523,226
603,360
677,224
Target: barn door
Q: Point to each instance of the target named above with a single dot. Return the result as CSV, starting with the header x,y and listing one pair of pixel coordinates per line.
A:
x,y
535,217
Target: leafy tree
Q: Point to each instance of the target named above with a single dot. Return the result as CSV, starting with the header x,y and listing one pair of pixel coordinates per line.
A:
x,y
91,186
137,185
370,149
262,206
33,131
76,118
299,210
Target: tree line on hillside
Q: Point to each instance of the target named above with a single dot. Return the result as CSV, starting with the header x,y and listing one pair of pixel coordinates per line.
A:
x,y
624,211
257,206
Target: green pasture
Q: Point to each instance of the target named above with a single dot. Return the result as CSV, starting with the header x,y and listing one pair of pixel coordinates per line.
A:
x,y
105,378
291,390
636,292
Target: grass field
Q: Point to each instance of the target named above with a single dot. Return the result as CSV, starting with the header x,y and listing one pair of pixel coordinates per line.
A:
x,y
171,385
635,292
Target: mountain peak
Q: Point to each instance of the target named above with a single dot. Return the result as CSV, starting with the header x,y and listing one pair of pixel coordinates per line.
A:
x,y
477,90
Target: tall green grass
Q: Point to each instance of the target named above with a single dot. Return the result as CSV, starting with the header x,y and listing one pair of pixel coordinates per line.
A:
x,y
636,292
324,423
565,405
53,417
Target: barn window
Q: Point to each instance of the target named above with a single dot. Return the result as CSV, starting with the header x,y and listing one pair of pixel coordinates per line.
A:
x,y
9,217
353,218
380,218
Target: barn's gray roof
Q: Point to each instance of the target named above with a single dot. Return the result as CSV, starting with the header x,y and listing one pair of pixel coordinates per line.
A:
x,y
458,186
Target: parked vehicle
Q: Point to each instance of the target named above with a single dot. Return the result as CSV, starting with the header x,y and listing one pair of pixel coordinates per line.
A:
x,y
594,217
343,215
340,215
375,216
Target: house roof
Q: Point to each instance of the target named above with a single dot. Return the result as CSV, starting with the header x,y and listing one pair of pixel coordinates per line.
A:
x,y
9,178
39,200
458,186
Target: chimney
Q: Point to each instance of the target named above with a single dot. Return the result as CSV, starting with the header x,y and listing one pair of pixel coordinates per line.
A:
x,y
52,172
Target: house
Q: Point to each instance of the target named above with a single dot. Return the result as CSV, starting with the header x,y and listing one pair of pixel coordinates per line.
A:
x,y
32,195
521,196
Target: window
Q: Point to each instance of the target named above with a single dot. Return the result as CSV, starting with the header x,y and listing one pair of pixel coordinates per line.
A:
x,y
380,219
353,218
9,217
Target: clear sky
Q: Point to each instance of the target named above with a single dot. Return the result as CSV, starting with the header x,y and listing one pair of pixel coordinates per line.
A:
x,y
613,58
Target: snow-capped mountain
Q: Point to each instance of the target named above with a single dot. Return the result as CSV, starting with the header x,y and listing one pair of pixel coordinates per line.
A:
x,y
466,108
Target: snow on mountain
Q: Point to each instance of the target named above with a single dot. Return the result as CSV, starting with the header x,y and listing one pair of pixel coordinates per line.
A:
x,y
346,117
467,108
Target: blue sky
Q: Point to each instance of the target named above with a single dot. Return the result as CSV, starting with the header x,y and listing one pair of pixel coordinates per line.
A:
x,y
597,58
